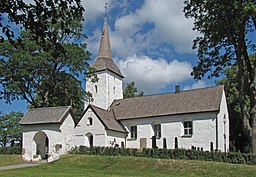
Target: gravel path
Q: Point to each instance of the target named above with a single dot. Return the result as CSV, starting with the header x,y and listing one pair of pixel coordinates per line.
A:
x,y
10,167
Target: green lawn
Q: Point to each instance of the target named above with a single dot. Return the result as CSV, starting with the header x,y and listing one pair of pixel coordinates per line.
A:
x,y
91,165
10,160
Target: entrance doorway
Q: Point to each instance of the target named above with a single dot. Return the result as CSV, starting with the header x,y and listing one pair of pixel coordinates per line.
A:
x,y
42,144
90,139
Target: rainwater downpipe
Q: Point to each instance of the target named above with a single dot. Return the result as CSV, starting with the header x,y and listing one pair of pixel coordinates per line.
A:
x,y
217,133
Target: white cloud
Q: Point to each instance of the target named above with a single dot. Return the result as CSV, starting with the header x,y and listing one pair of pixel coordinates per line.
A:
x,y
151,75
155,23
93,8
198,84
167,22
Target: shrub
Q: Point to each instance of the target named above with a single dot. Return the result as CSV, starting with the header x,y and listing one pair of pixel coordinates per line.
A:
x,y
231,157
10,150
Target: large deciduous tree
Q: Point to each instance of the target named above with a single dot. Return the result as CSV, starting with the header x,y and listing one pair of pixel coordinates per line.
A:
x,y
42,77
10,130
225,28
43,64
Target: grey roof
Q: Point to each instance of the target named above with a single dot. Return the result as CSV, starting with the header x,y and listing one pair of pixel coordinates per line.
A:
x,y
108,119
45,115
106,64
191,101
104,60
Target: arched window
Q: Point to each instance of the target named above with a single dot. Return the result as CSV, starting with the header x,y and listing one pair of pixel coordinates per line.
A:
x,y
133,132
157,130
89,121
96,89
188,128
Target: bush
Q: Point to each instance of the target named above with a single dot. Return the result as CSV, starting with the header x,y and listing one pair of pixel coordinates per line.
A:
x,y
10,150
231,157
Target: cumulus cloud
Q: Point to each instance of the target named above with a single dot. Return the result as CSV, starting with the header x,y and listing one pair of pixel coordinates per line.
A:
x,y
165,23
94,8
198,84
151,75
147,28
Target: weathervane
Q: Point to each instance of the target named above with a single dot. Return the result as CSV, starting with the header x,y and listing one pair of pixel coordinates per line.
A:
x,y
106,8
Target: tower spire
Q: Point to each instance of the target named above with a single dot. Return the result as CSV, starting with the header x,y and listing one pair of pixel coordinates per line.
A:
x,y
104,60
105,48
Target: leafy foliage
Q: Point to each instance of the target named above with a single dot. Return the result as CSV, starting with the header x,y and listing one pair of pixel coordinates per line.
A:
x,y
40,77
238,139
224,27
43,64
131,91
10,130
10,150
38,17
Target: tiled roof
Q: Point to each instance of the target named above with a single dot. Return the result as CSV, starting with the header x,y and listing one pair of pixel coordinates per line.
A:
x,y
191,101
108,119
45,115
106,64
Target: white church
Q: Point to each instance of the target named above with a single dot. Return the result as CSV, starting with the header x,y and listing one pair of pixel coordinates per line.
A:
x,y
183,119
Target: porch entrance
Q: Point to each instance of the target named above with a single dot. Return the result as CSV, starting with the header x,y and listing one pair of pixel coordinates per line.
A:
x,y
42,144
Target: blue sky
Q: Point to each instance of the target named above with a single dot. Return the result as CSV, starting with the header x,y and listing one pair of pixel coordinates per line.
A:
x,y
151,43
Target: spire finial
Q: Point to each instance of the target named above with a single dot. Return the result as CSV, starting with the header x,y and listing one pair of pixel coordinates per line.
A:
x,y
106,8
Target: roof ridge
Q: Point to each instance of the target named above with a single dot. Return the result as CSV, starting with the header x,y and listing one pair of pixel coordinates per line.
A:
x,y
50,107
168,93
99,108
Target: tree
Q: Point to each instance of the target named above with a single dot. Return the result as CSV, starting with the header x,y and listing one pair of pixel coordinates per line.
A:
x,y
10,130
224,41
238,140
39,17
45,56
131,91
40,77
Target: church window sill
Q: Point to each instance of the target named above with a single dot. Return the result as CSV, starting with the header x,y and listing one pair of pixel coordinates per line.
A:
x,y
186,136
131,139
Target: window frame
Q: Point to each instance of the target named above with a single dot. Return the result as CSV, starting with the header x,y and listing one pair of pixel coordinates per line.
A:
x,y
134,132
157,131
89,121
188,128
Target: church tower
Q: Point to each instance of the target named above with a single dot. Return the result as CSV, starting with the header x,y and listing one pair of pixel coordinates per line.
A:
x,y
109,86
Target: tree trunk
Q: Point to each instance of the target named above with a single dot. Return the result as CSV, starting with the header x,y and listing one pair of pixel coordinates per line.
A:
x,y
246,136
46,99
253,104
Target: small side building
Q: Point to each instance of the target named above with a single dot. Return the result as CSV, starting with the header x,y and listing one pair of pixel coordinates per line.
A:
x,y
47,133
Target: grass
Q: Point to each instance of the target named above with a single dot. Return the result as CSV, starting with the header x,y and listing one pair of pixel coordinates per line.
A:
x,y
10,160
92,165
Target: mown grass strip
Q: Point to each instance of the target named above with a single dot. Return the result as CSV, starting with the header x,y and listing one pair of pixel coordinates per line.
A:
x,y
105,166
10,160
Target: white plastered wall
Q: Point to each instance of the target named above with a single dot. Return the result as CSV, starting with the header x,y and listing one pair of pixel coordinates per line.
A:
x,y
114,138
68,135
105,90
62,134
204,131
223,125
96,129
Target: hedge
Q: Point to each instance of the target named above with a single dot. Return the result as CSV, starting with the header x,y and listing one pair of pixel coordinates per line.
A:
x,y
231,157
10,150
